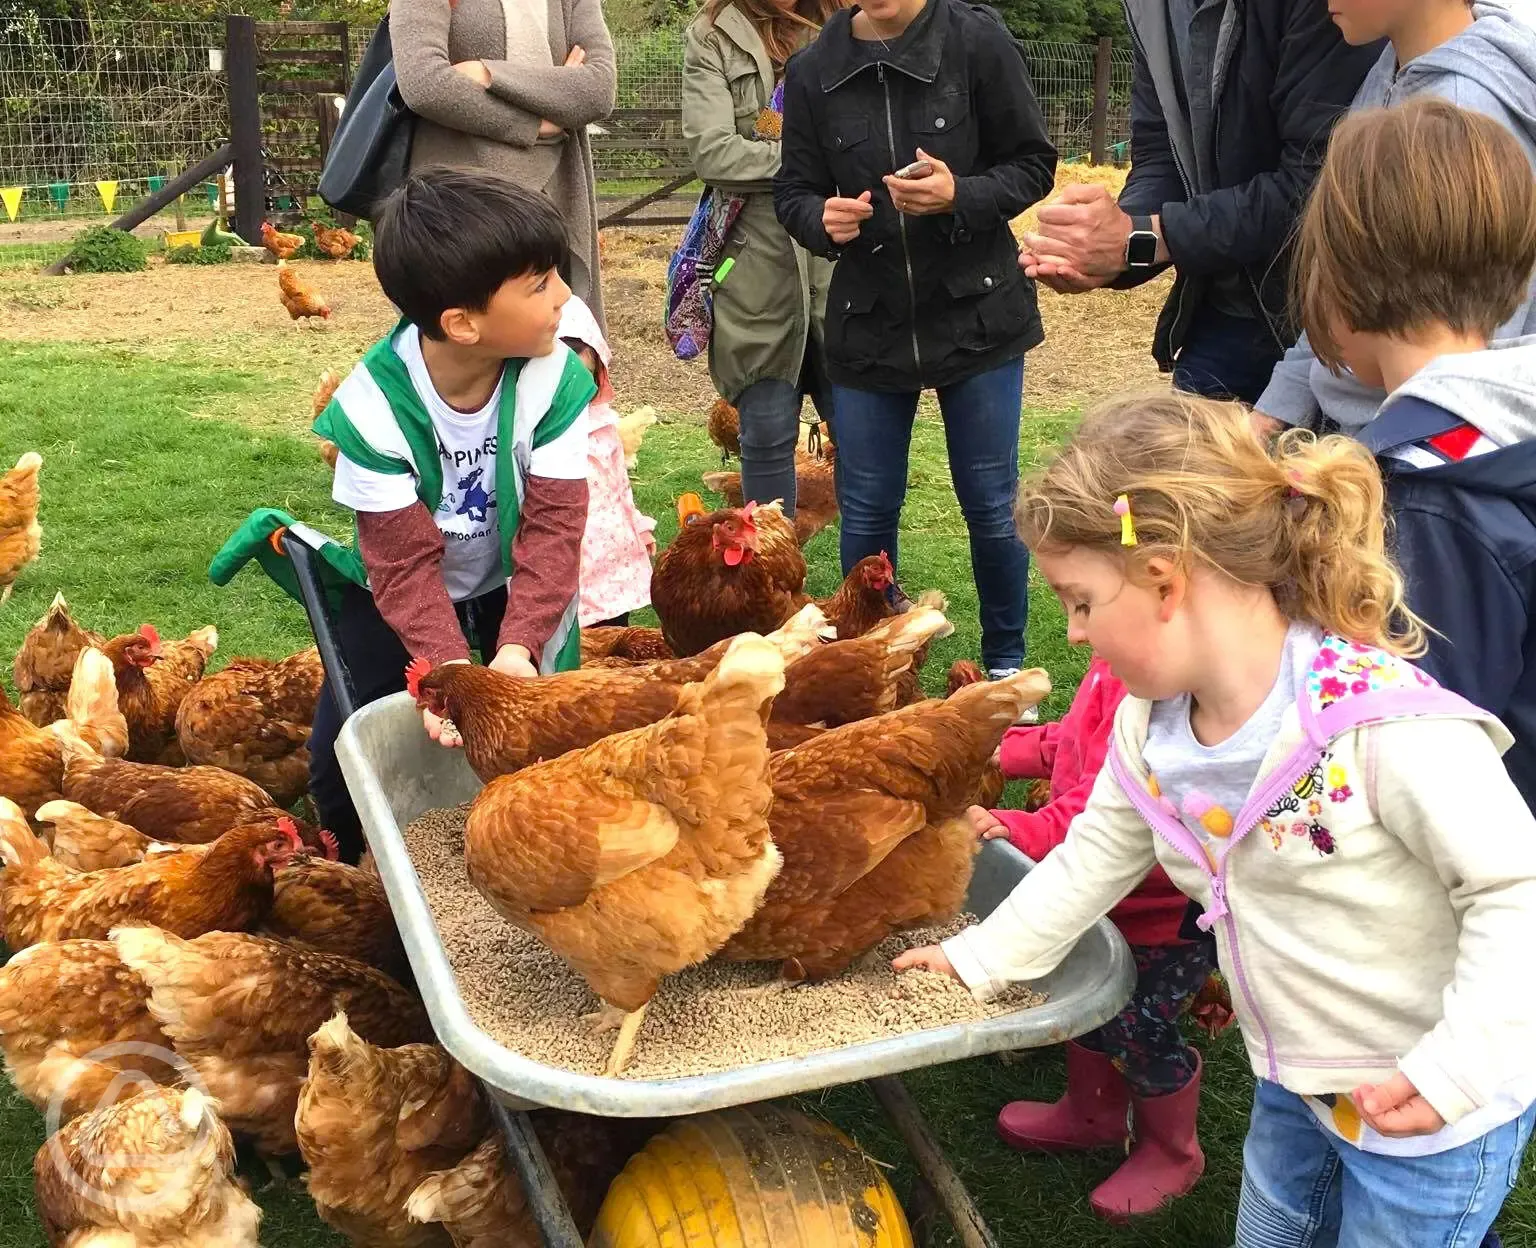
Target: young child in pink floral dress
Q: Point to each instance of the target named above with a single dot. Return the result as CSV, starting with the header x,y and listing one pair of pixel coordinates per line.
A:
x,y
617,545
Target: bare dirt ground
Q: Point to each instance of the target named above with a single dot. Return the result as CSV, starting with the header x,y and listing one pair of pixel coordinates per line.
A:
x,y
1095,344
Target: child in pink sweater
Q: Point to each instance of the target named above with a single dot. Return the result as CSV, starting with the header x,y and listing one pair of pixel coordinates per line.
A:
x,y
617,544
1139,1058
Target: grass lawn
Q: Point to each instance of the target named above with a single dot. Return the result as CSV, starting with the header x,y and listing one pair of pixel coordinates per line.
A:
x,y
139,492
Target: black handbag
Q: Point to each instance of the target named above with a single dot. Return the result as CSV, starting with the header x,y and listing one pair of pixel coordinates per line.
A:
x,y
371,150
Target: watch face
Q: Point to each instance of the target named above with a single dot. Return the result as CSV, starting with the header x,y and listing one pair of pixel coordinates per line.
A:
x,y
1141,249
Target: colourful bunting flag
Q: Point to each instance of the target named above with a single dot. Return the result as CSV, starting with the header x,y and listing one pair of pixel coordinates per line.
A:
x,y
11,196
108,193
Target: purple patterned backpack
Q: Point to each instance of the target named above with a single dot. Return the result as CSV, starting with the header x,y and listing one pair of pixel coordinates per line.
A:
x,y
690,309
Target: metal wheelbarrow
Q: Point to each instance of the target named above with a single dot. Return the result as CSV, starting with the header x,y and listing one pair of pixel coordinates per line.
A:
x,y
396,773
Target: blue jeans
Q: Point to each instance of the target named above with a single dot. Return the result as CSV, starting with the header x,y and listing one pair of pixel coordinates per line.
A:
x,y
1226,357
1305,1188
873,431
769,412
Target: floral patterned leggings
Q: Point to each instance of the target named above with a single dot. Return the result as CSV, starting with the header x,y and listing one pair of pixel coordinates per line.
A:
x,y
1145,1041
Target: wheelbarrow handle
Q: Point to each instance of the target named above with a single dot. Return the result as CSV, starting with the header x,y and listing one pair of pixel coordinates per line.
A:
x,y
317,607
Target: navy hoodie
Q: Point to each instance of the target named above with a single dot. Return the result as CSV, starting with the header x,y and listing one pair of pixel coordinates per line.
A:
x,y
1465,531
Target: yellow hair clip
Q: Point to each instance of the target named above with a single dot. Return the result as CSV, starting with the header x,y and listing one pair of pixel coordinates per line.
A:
x,y
1127,525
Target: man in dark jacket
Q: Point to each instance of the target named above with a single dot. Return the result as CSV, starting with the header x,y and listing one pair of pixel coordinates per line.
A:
x,y
1231,107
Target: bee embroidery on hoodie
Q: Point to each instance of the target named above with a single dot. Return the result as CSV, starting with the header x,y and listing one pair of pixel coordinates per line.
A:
x,y
1304,805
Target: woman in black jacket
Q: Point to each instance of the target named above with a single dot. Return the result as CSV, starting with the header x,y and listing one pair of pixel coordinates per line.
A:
x,y
927,290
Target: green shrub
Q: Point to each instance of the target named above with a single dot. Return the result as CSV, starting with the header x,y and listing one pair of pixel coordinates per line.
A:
x,y
217,253
101,249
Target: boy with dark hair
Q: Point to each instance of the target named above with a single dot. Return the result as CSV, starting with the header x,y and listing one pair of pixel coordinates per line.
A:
x,y
1417,245
462,440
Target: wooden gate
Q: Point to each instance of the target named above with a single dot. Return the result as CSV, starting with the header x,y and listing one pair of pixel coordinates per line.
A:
x,y
284,81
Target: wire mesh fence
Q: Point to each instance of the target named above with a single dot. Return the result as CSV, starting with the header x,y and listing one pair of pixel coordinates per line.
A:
x,y
1063,78
95,114
88,102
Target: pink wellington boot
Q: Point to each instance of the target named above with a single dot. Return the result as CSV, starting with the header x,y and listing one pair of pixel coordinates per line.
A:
x,y
1093,1113
1165,1158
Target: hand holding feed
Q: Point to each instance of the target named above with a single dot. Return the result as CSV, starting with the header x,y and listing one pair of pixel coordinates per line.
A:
x,y
987,825
841,217
475,71
513,660
925,958
924,196
1395,1108
439,729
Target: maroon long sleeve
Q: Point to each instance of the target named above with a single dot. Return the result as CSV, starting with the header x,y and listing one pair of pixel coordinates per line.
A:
x,y
546,556
403,552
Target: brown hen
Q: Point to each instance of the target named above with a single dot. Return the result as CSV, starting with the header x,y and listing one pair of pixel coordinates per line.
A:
x,y
645,852
865,676
154,1171
153,679
21,536
507,723
241,1009
372,1123
870,820
726,573
32,759
482,1204
815,491
46,661
333,241
73,1022
188,805
300,298
337,908
639,645
253,718
225,889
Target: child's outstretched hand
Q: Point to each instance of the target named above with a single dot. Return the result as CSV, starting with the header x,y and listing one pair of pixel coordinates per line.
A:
x,y
988,826
1395,1108
926,958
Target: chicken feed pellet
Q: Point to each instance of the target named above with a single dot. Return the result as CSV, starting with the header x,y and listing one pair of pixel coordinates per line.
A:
x,y
524,997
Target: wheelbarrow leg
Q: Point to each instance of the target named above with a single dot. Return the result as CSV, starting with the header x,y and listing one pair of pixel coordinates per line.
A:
x,y
934,1167
551,1214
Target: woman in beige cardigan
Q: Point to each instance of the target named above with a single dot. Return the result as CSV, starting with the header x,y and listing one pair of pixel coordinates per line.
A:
x,y
511,86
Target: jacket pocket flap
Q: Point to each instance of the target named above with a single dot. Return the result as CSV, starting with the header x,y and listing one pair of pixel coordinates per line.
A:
x,y
980,280
855,302
942,115
849,131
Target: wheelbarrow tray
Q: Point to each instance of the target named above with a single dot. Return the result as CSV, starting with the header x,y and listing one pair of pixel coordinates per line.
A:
x,y
396,773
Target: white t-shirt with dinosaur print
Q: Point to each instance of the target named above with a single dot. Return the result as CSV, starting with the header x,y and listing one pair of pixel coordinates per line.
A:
x,y
466,443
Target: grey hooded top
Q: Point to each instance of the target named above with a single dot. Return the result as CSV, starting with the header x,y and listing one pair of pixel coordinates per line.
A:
x,y
1489,68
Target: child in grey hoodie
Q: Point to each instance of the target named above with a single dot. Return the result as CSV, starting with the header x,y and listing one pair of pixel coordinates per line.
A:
x,y
1417,244
1481,57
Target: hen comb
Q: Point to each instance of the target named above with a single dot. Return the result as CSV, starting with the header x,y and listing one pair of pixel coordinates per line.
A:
x,y
414,671
150,634
332,849
290,829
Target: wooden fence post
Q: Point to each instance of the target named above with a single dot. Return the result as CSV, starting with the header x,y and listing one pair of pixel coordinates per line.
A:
x,y
1099,142
240,62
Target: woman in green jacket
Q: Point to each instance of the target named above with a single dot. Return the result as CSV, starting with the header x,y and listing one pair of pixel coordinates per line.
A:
x,y
764,348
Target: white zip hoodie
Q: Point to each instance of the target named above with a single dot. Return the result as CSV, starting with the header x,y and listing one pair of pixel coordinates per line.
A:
x,y
1403,945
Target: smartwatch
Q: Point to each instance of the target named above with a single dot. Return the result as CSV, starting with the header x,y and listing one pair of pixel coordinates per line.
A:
x,y
1141,246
